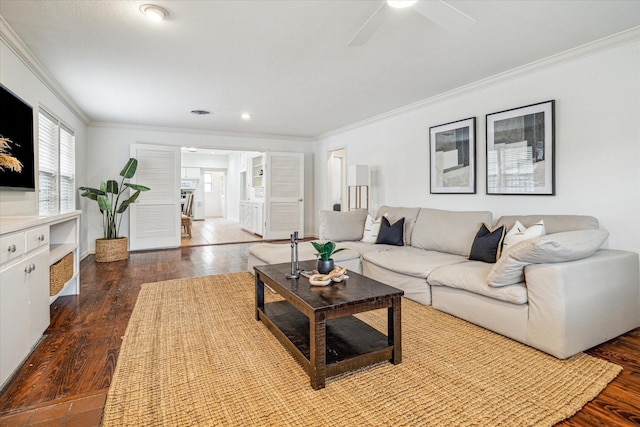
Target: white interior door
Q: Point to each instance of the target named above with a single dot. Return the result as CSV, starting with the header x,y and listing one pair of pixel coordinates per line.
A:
x,y
214,193
284,195
154,220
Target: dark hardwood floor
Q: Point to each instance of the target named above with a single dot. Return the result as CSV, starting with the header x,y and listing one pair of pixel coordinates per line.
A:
x,y
79,351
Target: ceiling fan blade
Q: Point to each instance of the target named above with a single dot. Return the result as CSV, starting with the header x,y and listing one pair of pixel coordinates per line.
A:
x,y
445,15
372,25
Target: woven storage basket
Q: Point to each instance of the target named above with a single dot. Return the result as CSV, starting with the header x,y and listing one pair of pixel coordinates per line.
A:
x,y
60,273
108,250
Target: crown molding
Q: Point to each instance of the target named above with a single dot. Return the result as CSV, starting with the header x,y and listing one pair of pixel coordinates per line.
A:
x,y
245,135
624,37
22,51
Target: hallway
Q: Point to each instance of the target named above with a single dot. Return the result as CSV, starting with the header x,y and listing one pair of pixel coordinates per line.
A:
x,y
217,231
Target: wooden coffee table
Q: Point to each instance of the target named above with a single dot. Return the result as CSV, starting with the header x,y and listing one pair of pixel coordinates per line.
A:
x,y
317,326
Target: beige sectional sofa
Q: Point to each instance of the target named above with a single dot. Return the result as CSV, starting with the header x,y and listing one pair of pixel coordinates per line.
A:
x,y
560,293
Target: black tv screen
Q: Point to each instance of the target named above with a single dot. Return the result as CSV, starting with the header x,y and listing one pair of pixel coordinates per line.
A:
x,y
17,157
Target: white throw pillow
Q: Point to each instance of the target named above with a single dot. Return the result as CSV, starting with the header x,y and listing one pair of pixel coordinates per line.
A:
x,y
371,229
519,233
556,247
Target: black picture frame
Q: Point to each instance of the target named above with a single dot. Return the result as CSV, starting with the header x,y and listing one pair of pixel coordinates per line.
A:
x,y
452,152
521,150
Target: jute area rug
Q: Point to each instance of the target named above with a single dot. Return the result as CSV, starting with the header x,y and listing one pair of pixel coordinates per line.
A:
x,y
194,355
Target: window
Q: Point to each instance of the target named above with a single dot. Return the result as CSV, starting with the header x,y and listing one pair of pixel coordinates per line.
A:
x,y
56,164
208,182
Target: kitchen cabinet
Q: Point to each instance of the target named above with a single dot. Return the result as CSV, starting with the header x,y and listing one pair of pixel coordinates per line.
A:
x,y
190,173
252,217
29,246
245,215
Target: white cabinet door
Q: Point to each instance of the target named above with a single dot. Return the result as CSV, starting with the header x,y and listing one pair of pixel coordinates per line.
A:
x,y
193,173
154,220
257,215
38,284
14,318
284,198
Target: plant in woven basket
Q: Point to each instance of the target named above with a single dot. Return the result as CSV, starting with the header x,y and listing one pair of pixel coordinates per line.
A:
x,y
109,196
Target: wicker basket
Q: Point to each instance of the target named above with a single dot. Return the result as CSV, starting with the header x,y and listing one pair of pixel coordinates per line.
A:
x,y
60,273
108,250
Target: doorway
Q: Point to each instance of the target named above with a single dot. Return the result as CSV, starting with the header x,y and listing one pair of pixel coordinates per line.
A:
x,y
214,193
337,180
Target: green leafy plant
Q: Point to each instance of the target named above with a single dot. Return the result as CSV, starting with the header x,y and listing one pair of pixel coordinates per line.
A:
x,y
108,198
325,250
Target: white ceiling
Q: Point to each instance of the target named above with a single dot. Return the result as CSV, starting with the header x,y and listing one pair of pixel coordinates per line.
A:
x,y
286,62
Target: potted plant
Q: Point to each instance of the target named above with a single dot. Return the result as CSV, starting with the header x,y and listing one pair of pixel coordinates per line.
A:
x,y
112,247
324,252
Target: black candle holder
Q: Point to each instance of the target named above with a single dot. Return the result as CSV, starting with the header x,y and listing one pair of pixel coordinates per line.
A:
x,y
295,266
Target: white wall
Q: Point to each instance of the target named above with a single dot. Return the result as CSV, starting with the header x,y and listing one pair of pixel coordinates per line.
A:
x,y
232,164
597,143
108,151
22,81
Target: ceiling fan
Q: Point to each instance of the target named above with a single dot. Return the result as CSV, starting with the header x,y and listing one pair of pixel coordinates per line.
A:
x,y
437,11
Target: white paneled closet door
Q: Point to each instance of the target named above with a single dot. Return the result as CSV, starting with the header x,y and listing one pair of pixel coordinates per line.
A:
x,y
284,195
154,220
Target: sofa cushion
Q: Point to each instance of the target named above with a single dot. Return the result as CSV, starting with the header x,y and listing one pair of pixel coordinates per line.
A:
x,y
391,234
472,276
371,229
340,226
519,232
411,261
557,247
487,245
394,214
552,223
448,231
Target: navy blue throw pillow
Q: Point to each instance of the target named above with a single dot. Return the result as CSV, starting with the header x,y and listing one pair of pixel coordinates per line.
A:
x,y
487,244
391,234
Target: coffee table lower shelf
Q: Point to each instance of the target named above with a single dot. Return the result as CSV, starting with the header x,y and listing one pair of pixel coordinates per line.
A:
x,y
350,343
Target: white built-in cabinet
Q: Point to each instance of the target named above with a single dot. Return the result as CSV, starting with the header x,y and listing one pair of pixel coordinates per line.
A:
x,y
257,171
252,217
29,246
276,208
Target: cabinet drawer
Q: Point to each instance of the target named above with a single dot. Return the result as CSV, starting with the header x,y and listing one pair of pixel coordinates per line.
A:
x,y
11,247
37,237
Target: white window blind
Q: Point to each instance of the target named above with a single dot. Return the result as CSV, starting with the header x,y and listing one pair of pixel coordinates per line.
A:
x,y
56,164
67,169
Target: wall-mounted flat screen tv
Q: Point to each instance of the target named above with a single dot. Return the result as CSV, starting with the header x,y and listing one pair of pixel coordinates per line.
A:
x,y
17,157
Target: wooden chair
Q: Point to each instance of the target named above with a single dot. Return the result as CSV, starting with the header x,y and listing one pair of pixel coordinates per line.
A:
x,y
186,215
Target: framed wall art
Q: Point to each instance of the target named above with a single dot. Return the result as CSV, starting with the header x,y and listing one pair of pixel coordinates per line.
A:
x,y
520,150
452,149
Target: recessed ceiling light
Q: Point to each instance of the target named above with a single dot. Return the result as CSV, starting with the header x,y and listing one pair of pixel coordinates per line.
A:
x,y
400,4
200,112
153,12
245,116
192,150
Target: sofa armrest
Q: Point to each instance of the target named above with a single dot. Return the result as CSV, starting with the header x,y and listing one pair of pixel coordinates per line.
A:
x,y
576,305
